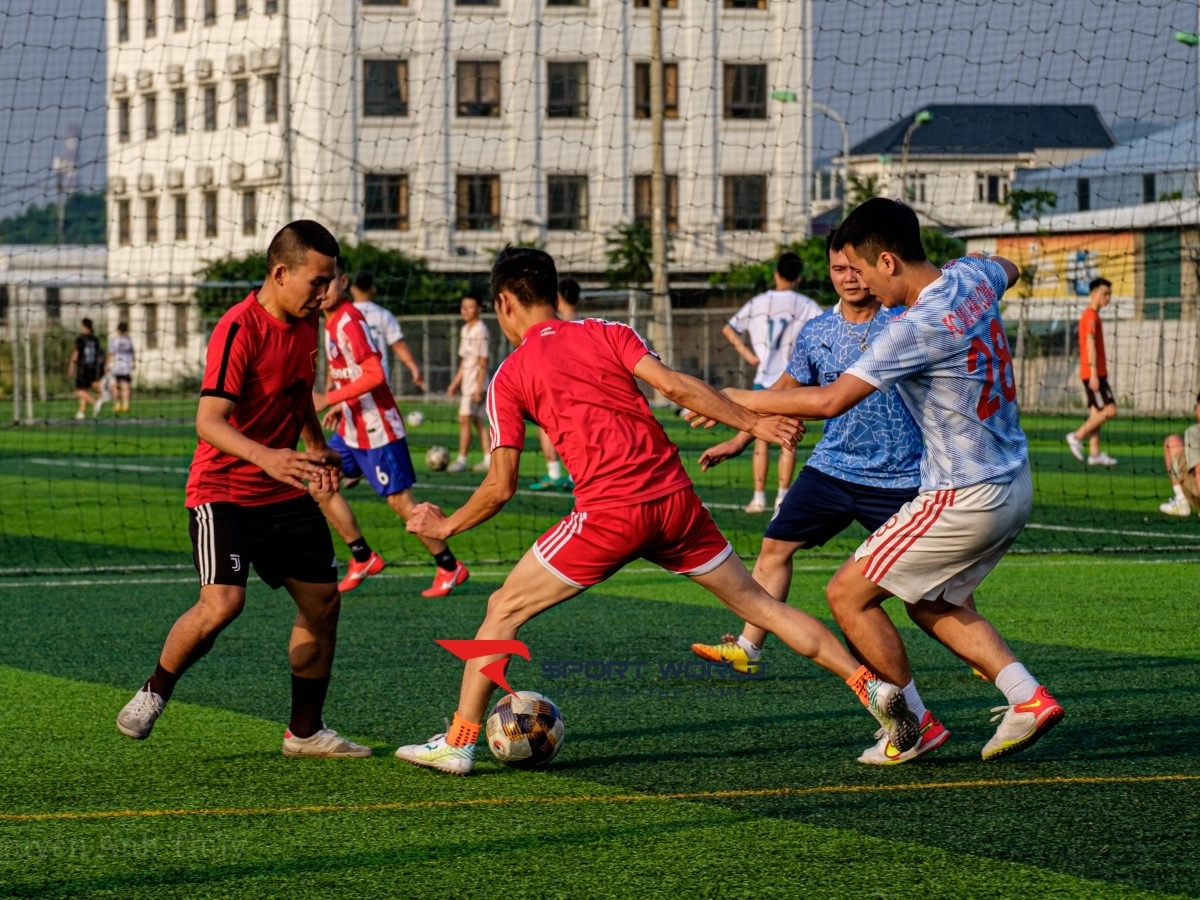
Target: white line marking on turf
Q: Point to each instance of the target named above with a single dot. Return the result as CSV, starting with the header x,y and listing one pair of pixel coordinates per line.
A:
x,y
1077,530
108,467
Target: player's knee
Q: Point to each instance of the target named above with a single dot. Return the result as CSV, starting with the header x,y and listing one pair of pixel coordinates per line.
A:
x,y
1109,411
506,608
223,606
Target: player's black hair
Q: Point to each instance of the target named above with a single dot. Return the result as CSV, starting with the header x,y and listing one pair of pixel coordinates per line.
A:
x,y
568,289
880,225
291,245
789,266
364,280
1097,283
122,327
86,323
475,295
527,273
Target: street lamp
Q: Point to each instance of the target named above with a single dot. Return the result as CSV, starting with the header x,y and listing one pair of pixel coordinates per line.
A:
x,y
821,107
921,118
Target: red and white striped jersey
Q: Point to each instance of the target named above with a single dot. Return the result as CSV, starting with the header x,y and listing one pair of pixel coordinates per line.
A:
x,y
372,419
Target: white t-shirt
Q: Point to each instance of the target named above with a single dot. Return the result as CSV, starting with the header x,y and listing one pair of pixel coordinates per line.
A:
x,y
385,331
473,352
774,320
120,347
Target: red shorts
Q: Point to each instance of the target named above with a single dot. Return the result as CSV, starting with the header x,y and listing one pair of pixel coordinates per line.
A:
x,y
675,532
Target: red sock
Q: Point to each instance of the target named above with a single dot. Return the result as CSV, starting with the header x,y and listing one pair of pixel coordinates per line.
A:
x,y
462,733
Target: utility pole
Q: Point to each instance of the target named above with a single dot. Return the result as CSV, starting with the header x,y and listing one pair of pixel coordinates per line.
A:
x,y
285,76
662,336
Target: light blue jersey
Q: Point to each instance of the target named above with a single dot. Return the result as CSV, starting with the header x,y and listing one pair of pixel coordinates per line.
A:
x,y
876,443
948,358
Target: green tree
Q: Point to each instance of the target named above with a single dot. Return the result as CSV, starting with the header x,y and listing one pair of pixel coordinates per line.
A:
x,y
747,279
83,223
862,189
1022,203
941,247
629,255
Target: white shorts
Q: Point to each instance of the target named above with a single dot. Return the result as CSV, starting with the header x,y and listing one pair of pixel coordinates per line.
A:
x,y
469,408
942,544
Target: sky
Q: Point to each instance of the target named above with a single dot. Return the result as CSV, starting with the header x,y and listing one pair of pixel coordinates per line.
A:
x,y
874,61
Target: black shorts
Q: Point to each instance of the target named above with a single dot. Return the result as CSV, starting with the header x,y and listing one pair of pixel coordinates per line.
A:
x,y
85,377
818,507
282,540
1101,398
125,378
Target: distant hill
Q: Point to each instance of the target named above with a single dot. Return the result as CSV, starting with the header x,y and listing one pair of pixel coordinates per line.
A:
x,y
84,223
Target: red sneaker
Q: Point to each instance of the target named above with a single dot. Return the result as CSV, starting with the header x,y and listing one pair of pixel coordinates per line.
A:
x,y
357,572
446,580
1023,724
884,753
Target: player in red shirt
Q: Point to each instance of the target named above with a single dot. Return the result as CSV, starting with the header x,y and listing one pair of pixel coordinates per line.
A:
x,y
246,497
633,498
371,441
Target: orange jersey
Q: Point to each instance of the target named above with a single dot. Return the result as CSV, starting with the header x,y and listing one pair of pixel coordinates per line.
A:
x,y
1089,325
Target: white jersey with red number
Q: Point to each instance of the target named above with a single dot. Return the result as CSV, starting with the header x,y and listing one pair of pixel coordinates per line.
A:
x,y
575,380
369,420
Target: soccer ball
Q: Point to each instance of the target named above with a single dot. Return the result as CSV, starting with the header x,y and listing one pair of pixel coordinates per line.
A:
x,y
415,419
437,458
525,730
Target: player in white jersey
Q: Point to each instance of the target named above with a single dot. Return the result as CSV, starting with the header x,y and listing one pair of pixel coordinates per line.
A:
x,y
773,321
385,330
119,364
948,357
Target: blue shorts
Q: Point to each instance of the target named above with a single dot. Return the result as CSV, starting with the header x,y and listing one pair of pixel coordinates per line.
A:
x,y
389,468
818,507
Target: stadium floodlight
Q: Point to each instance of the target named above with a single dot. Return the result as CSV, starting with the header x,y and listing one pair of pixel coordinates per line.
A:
x,y
921,118
841,123
1188,37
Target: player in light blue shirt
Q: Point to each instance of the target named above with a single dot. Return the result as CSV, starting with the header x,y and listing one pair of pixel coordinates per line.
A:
x,y
948,358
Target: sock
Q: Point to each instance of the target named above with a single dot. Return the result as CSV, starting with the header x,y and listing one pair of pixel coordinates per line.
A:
x,y
1179,492
308,699
361,550
462,733
1015,682
858,683
162,682
752,650
554,470
445,560
461,458
487,459
915,704
759,497
780,494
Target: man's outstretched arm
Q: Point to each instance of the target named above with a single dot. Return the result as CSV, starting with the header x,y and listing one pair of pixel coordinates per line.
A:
x,y
497,489
823,402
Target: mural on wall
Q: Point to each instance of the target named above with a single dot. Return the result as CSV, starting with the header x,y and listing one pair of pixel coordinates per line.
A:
x,y
1061,265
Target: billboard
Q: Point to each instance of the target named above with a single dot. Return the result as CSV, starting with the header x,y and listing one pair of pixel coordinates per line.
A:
x,y
1061,265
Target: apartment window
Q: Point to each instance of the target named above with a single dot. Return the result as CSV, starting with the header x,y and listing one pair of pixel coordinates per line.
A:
x,y
210,214
123,120
150,313
241,102
123,20
745,202
1149,188
666,4
567,197
478,202
745,91
181,324
150,212
210,107
643,203
270,7
1083,194
249,213
745,4
914,187
641,90
478,88
151,18
181,111
124,224
828,185
384,2
567,90
3,302
180,15
387,203
991,188
566,2
54,304
241,9
181,223
270,98
476,2
150,104
385,87
210,12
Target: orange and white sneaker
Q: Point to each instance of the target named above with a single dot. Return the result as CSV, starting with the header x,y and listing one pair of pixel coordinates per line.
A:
x,y
729,652
357,572
884,753
446,580
1023,724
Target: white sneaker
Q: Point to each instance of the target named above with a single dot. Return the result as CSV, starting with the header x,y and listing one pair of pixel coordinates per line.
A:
x,y
1176,506
97,406
437,754
1075,445
482,466
80,414
1022,724
457,466
756,506
888,706
1101,459
137,719
325,742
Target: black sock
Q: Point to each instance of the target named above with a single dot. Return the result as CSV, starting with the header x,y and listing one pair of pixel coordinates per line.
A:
x,y
445,560
162,682
361,550
308,699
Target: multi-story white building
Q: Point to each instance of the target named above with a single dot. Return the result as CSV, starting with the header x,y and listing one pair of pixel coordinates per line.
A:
x,y
447,128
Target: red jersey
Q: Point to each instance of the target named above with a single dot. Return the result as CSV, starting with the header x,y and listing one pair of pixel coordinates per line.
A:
x,y
575,380
1089,324
369,420
267,368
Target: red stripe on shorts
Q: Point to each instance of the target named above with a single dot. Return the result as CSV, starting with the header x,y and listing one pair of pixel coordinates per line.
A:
x,y
894,545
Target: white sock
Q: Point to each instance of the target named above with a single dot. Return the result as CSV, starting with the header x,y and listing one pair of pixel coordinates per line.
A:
x,y
760,497
779,495
554,470
487,459
1015,682
1179,492
461,459
914,701
752,650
